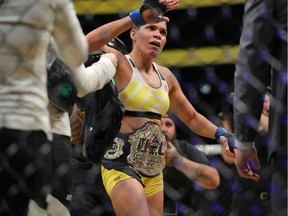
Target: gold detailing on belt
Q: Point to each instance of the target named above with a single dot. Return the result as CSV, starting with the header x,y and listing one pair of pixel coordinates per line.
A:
x,y
148,146
264,195
116,151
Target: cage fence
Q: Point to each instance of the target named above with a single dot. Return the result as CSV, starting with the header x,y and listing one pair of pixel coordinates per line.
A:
x,y
201,49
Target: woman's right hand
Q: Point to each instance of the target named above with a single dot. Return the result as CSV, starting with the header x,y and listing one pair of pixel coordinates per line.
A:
x,y
152,15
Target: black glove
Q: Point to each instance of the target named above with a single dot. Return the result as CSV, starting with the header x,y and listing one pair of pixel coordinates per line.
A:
x,y
147,4
136,15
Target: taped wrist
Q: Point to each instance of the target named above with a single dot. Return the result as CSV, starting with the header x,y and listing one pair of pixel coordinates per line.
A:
x,y
136,17
220,132
230,138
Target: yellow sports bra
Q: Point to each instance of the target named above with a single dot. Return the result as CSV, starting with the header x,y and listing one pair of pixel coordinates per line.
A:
x,y
140,99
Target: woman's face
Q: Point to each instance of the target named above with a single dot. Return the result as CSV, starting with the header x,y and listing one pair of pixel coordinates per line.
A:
x,y
150,38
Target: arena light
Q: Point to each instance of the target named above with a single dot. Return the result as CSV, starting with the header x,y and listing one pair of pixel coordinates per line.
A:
x,y
124,6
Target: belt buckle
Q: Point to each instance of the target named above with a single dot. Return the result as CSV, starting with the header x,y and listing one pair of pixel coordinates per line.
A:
x,y
148,146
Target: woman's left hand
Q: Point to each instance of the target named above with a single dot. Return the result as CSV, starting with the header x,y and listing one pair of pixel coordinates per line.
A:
x,y
227,145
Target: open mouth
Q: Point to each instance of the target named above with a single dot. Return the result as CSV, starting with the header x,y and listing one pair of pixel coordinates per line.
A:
x,y
155,44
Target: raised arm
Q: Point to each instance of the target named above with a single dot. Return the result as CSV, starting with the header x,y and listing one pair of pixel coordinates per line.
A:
x,y
147,13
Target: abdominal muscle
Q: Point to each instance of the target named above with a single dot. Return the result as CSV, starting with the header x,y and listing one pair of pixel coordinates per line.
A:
x,y
130,123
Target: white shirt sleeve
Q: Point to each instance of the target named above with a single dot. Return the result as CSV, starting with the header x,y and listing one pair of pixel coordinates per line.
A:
x,y
94,77
72,45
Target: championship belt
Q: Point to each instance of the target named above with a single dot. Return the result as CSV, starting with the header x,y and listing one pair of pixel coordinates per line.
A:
x,y
148,146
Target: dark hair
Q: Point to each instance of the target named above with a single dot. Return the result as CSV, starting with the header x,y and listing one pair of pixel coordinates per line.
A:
x,y
170,115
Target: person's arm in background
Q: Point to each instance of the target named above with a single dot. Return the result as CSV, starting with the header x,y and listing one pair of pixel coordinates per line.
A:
x,y
76,122
252,76
72,45
263,124
202,174
264,120
91,78
94,77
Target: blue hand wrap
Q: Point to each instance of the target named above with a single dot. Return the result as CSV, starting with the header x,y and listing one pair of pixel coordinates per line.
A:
x,y
230,138
137,18
220,132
